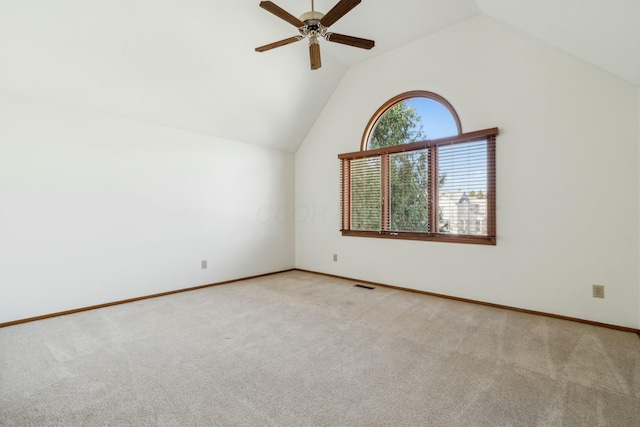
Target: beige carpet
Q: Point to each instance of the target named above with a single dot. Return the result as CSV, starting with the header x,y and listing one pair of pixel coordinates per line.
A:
x,y
298,349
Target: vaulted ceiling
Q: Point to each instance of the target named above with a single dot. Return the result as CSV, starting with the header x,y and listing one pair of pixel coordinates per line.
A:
x,y
191,64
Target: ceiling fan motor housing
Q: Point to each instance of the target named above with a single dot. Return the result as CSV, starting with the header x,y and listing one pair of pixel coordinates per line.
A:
x,y
315,16
312,30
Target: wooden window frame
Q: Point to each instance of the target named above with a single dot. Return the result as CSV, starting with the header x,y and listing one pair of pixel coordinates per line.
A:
x,y
488,135
364,144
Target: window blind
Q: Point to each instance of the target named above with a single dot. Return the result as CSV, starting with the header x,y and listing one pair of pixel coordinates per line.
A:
x,y
366,194
440,189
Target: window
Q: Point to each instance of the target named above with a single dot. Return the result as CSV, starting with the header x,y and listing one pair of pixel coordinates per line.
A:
x,y
417,176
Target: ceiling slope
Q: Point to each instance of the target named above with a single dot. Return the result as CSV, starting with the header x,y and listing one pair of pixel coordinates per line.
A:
x,y
191,64
603,33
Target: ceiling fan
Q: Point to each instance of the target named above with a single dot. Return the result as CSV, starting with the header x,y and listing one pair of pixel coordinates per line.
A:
x,y
313,25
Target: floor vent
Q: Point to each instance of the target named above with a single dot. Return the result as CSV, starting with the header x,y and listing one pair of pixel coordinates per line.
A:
x,y
363,286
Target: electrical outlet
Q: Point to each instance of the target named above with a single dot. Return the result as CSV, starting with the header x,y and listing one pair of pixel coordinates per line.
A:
x,y
598,291
335,257
203,264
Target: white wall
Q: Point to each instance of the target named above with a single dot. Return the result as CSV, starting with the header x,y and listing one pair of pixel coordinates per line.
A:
x,y
95,208
567,175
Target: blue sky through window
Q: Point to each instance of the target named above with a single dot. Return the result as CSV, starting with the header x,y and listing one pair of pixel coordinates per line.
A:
x,y
436,119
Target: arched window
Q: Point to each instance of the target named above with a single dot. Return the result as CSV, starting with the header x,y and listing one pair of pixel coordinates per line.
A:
x,y
417,176
410,117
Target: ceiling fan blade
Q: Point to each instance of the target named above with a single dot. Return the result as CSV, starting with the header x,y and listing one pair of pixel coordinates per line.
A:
x,y
338,11
350,40
314,55
279,43
281,13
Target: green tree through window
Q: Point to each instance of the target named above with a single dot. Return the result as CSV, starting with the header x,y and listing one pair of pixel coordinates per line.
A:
x,y
408,172
398,125
409,183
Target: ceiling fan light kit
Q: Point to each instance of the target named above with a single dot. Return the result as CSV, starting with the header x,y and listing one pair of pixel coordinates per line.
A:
x,y
313,26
